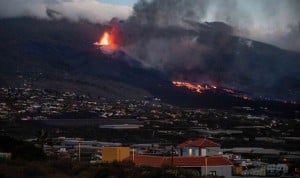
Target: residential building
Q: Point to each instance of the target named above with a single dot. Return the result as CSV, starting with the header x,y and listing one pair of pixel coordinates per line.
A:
x,y
202,155
5,156
204,165
277,169
199,147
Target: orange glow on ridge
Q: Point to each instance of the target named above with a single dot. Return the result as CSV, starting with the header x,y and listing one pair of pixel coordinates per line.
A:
x,y
190,86
205,87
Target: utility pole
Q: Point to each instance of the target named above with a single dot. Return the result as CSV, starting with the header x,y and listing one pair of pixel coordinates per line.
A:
x,y
206,166
133,154
172,156
79,154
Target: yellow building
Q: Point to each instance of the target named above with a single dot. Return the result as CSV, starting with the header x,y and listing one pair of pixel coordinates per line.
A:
x,y
111,154
237,170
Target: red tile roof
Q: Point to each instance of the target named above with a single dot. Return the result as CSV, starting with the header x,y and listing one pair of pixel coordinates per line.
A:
x,y
202,143
146,160
158,161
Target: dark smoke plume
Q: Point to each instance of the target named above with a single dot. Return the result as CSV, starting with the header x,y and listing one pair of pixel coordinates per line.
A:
x,y
173,35
269,21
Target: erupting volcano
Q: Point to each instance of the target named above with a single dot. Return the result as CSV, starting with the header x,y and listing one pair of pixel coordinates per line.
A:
x,y
111,39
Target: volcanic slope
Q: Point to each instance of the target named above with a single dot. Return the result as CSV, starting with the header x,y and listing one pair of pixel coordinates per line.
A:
x,y
61,55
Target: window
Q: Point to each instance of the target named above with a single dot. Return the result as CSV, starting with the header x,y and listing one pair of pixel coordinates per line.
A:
x,y
212,173
203,152
190,152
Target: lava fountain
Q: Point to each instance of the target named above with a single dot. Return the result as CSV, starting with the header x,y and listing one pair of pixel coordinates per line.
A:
x,y
106,39
107,42
111,38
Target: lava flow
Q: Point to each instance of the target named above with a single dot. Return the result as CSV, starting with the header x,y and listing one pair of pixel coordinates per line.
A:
x,y
193,87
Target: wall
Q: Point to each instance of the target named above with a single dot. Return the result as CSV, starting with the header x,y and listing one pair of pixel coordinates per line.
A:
x,y
110,154
211,151
225,171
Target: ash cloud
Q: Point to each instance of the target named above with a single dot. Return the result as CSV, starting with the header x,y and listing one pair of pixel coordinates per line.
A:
x,y
74,10
165,34
162,33
168,12
270,21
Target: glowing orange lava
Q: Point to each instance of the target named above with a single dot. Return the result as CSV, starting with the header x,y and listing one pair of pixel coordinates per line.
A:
x,y
206,87
190,86
105,39
107,42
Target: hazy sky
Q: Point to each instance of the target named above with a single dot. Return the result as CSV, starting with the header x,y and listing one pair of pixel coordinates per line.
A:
x,y
95,11
120,2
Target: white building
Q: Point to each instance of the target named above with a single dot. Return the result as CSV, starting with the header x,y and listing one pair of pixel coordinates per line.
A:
x,y
277,169
200,147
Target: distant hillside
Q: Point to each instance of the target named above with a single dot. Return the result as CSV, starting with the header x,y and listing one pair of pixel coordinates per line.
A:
x,y
61,55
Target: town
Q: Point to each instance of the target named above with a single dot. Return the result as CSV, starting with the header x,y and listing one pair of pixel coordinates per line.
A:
x,y
73,126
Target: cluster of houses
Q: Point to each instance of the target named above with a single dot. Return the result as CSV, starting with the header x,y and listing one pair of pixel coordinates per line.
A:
x,y
4,111
202,156
38,104
246,167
